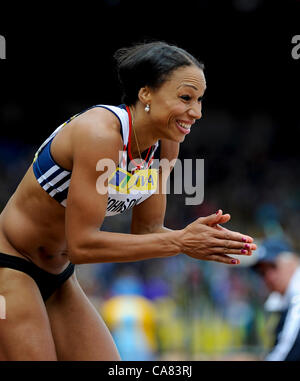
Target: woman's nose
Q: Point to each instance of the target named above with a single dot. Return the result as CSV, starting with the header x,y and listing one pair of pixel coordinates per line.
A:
x,y
196,111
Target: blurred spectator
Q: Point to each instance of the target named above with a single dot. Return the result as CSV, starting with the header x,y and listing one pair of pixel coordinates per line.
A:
x,y
131,319
280,270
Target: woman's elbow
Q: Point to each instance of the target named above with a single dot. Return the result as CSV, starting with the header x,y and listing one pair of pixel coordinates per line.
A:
x,y
88,248
78,251
77,255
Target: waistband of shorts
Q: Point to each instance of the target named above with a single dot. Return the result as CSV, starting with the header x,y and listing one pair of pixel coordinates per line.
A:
x,y
31,268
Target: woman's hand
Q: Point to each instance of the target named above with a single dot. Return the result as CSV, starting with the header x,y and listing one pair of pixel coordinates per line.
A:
x,y
205,239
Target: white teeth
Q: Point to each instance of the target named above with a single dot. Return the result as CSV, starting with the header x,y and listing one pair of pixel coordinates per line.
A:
x,y
184,125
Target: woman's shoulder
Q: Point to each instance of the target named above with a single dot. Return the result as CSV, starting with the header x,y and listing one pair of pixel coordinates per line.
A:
x,y
95,133
97,123
98,115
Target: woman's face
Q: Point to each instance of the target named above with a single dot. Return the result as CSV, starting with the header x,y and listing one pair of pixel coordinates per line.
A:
x,y
176,104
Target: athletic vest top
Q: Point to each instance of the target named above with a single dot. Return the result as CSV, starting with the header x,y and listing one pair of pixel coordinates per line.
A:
x,y
126,188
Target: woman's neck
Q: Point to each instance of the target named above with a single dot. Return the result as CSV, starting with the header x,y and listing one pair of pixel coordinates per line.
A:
x,y
142,134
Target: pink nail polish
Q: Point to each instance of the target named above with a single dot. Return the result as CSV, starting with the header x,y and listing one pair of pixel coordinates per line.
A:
x,y
243,251
244,239
247,246
234,261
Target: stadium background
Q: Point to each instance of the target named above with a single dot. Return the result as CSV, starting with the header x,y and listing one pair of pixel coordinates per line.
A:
x,y
59,61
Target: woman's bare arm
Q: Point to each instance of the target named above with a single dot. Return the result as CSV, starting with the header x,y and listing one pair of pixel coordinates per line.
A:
x,y
86,208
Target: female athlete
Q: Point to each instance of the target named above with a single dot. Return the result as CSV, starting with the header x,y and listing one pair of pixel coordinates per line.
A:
x,y
52,221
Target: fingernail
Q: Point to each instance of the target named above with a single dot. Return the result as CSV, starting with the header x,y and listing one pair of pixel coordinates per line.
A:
x,y
243,251
247,246
234,261
244,239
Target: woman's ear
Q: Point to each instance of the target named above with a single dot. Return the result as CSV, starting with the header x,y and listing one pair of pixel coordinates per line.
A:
x,y
145,95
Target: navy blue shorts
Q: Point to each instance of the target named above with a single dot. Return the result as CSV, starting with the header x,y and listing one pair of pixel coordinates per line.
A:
x,y
47,282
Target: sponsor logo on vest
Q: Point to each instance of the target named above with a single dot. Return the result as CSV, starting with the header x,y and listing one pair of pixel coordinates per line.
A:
x,y
141,181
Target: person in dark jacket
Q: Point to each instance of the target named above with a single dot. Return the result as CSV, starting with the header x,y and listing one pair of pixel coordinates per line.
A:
x,y
280,268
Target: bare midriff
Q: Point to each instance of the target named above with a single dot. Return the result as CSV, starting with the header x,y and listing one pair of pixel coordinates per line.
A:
x,y
32,226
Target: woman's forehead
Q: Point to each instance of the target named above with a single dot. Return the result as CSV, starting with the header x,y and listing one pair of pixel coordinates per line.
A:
x,y
191,76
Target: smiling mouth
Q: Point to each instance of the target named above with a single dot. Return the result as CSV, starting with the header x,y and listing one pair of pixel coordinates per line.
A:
x,y
184,127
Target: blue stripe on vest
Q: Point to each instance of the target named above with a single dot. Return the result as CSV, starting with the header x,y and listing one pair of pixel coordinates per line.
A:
x,y
45,159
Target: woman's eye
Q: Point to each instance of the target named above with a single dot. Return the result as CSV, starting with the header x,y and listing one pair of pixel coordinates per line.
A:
x,y
185,97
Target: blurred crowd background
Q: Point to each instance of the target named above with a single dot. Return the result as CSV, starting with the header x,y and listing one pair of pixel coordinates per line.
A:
x,y
58,65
